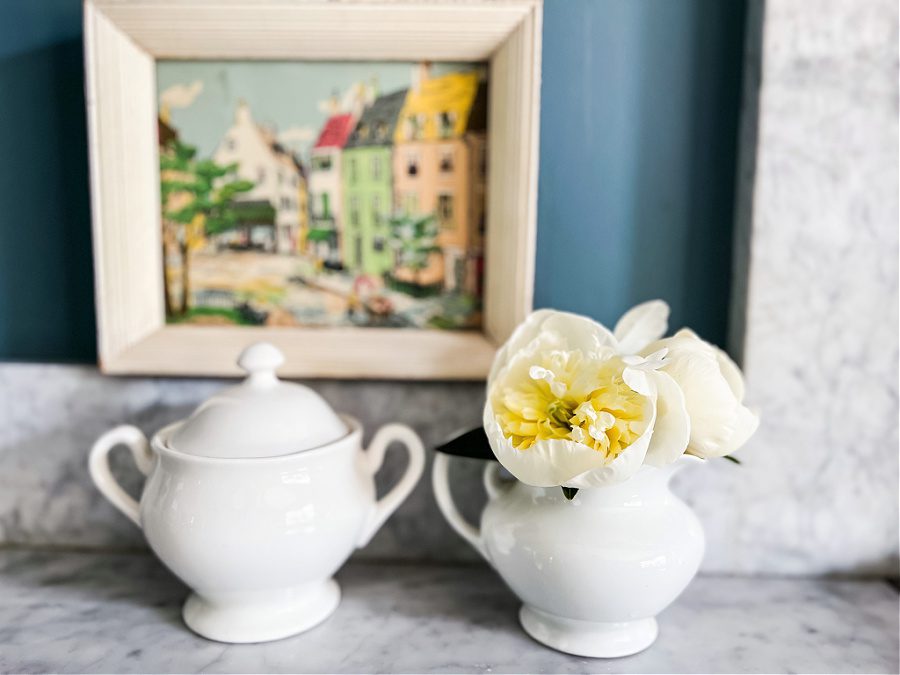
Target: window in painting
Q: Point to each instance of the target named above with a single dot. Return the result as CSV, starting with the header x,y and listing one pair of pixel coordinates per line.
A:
x,y
412,165
376,210
415,127
446,164
446,122
377,167
459,272
354,211
445,210
321,163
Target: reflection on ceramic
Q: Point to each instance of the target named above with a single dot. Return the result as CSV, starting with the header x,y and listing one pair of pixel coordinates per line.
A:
x,y
593,572
257,538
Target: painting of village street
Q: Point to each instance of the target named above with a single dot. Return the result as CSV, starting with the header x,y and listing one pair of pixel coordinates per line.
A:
x,y
323,194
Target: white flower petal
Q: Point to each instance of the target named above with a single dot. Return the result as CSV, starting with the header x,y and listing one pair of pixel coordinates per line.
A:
x,y
641,325
744,425
672,430
713,391
731,373
524,333
586,410
573,330
637,380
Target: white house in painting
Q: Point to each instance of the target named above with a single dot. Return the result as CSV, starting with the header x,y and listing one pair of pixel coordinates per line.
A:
x,y
277,176
325,187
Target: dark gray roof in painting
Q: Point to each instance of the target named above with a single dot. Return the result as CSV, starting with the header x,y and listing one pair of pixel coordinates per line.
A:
x,y
376,126
479,113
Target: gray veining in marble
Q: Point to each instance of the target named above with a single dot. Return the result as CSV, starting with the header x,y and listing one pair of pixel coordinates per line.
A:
x,y
819,489
120,613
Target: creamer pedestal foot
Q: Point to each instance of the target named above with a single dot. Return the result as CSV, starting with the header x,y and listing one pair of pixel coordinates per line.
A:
x,y
588,638
272,617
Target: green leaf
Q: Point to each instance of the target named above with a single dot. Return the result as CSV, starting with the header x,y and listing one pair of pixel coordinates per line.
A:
x,y
732,459
569,492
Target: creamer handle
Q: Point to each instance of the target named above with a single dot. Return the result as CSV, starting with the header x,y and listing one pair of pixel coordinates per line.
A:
x,y
441,484
98,465
374,458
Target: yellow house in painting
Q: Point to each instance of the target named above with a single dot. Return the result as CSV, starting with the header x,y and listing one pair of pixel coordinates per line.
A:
x,y
439,167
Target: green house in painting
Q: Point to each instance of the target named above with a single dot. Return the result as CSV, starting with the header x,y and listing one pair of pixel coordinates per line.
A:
x,y
367,187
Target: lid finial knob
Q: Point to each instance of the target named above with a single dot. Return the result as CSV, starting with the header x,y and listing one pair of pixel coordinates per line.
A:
x,y
261,360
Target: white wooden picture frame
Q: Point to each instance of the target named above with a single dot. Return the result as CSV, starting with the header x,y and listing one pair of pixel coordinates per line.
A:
x,y
123,41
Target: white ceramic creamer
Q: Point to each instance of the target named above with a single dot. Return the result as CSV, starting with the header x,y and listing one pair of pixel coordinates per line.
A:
x,y
593,572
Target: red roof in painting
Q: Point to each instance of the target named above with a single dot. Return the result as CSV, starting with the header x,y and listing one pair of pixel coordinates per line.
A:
x,y
335,132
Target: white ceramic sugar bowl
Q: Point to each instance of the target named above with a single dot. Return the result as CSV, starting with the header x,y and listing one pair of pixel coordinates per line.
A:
x,y
257,499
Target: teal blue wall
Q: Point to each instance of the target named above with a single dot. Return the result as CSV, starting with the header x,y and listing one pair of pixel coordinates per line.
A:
x,y
639,117
639,112
46,288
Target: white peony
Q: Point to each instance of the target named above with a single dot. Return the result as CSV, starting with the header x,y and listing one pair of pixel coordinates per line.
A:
x,y
570,403
713,393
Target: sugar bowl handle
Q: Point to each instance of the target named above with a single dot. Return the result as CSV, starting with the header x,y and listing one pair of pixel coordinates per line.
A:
x,y
374,458
493,485
98,465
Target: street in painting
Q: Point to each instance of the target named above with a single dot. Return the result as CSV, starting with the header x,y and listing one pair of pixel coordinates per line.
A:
x,y
323,193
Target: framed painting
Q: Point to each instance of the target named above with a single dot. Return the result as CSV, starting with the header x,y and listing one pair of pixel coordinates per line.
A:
x,y
354,182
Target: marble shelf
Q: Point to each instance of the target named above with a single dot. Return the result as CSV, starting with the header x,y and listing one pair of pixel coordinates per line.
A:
x,y
94,613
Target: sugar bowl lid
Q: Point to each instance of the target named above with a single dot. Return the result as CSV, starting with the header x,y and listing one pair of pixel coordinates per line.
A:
x,y
261,417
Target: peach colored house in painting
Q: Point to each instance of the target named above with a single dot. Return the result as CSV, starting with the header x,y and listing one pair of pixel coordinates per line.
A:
x,y
439,167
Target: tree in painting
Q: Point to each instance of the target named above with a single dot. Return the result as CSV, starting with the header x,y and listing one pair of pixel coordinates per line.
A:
x,y
414,239
197,201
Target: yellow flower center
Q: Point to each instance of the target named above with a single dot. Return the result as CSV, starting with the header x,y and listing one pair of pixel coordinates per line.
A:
x,y
567,397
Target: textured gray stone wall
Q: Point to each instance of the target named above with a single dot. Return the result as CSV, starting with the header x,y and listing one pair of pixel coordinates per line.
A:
x,y
818,489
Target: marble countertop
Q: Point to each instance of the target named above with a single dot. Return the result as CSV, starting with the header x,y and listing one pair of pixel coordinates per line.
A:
x,y
91,612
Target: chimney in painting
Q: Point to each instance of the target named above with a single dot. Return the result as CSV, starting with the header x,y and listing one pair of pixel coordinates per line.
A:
x,y
422,75
242,113
333,105
361,97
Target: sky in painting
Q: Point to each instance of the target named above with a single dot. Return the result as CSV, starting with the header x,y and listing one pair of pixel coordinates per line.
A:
x,y
290,97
